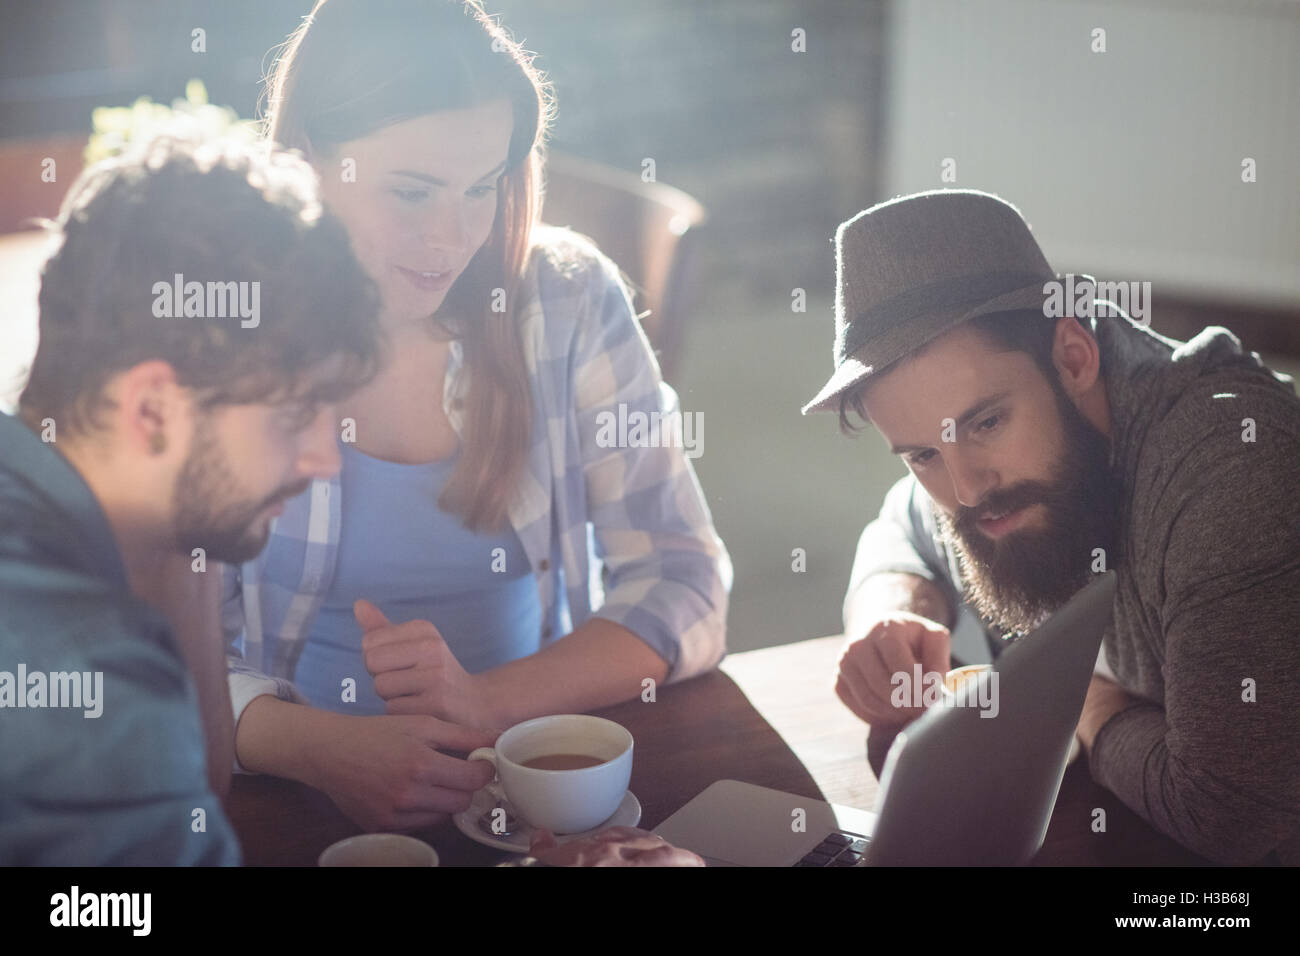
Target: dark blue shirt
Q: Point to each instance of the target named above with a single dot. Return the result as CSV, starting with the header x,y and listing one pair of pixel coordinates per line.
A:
x,y
103,762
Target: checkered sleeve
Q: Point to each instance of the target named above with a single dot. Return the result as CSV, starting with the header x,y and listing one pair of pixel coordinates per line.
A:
x,y
246,680
667,573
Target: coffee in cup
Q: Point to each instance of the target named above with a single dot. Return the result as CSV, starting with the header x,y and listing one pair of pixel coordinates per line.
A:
x,y
567,773
563,762
959,675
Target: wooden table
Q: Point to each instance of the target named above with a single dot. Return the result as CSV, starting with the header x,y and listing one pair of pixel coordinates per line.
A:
x,y
767,717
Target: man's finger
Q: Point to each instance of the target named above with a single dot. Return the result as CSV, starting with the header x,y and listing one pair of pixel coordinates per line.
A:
x,y
934,648
859,672
896,657
876,688
845,693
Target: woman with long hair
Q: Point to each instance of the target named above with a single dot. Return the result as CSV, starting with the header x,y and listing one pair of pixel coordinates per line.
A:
x,y
486,553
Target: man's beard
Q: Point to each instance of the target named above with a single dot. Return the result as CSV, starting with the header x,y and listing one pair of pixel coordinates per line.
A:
x,y
1016,581
209,512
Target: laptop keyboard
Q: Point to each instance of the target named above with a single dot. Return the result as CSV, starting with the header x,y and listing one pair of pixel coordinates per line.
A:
x,y
838,849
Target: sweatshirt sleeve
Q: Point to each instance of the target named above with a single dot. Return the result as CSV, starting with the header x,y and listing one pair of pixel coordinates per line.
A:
x,y
124,783
1217,768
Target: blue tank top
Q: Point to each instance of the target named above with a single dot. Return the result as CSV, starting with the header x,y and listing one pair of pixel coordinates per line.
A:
x,y
400,551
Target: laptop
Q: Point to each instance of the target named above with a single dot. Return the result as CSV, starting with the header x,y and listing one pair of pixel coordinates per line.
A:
x,y
957,788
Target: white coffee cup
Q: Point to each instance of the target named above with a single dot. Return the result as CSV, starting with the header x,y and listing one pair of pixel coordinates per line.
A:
x,y
379,849
563,801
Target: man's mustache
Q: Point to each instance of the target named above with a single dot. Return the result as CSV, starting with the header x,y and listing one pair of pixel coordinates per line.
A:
x,y
1002,501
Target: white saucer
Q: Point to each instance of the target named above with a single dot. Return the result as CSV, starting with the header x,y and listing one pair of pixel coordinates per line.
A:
x,y
628,814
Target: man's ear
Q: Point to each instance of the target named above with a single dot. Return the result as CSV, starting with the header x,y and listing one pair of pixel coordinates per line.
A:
x,y
1076,356
152,409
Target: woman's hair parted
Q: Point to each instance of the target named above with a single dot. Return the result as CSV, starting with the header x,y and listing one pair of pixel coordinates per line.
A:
x,y
358,66
216,212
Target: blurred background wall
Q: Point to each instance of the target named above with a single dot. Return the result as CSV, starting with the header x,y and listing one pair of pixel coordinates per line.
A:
x,y
1126,162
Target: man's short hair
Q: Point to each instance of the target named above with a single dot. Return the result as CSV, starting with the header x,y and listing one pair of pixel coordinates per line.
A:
x,y
1024,330
212,212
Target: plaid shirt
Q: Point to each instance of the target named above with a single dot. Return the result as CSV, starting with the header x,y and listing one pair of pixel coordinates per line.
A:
x,y
621,533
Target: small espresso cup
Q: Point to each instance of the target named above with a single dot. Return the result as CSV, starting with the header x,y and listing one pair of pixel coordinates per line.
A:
x,y
379,849
563,801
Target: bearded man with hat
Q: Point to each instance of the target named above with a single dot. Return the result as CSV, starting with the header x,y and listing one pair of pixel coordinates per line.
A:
x,y
1042,450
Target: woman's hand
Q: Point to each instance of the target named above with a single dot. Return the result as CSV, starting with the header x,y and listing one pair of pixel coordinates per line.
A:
x,y
415,671
615,846
386,774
